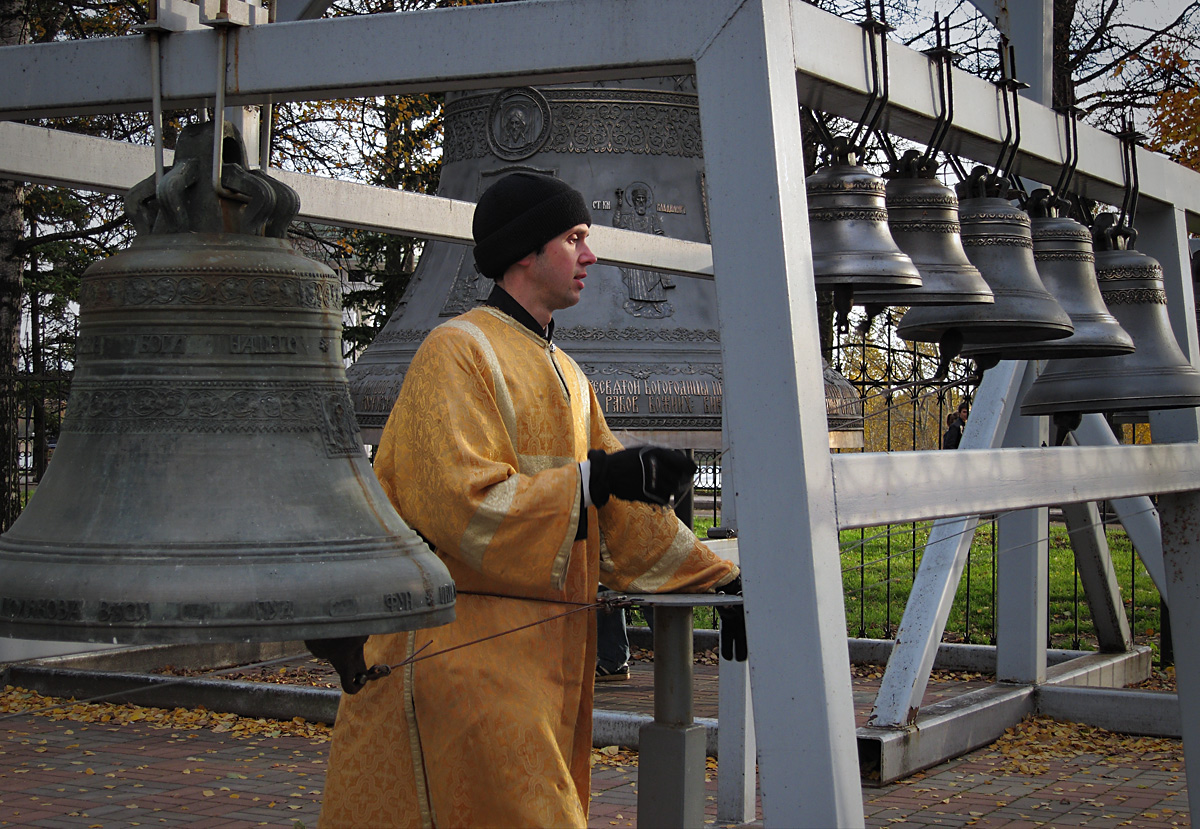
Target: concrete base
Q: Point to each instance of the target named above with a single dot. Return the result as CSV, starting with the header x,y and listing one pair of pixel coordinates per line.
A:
x,y
671,776
1081,686
954,727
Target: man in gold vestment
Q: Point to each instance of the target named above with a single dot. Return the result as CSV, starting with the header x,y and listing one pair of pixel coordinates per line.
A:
x,y
498,454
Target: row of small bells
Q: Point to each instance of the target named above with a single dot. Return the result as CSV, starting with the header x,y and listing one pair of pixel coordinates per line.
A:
x,y
985,279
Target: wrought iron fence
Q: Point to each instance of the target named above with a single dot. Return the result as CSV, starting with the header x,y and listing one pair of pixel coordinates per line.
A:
x,y
32,407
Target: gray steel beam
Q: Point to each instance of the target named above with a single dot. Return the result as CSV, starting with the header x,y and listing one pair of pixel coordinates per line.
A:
x,y
1181,553
1022,552
1137,515
766,299
920,632
1031,34
503,44
1151,713
410,52
945,729
67,159
737,784
1163,235
1093,563
287,11
875,488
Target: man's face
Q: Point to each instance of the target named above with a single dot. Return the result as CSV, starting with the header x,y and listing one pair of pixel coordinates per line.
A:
x,y
962,414
559,270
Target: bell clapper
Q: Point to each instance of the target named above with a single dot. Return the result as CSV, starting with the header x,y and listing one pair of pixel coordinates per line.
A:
x,y
1064,424
949,347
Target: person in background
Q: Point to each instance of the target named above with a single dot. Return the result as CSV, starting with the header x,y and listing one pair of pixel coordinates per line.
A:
x,y
955,424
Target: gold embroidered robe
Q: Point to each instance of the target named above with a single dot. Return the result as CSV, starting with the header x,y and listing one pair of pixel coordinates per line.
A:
x,y
480,455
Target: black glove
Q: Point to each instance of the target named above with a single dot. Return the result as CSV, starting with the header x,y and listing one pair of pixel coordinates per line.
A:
x,y
733,624
346,655
650,474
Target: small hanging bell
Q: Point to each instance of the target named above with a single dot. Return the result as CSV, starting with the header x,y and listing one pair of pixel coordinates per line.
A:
x,y
1155,376
852,247
843,410
998,240
1062,249
924,222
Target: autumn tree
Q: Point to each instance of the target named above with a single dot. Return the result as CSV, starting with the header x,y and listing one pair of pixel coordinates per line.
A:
x,y
1174,124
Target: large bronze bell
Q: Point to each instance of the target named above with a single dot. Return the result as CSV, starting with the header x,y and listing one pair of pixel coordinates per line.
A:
x,y
852,246
923,219
649,342
209,482
1062,249
1155,376
998,240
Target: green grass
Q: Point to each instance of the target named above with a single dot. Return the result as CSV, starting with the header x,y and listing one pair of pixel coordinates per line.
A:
x,y
878,565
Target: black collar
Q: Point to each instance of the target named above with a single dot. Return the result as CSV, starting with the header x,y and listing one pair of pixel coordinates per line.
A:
x,y
502,300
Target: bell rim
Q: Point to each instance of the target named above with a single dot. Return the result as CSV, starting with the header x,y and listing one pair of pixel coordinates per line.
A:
x,y
192,633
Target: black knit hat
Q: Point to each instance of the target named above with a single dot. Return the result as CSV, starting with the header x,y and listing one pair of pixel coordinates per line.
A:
x,y
520,213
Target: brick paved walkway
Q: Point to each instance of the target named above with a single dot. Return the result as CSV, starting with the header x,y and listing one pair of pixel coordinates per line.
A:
x,y
92,774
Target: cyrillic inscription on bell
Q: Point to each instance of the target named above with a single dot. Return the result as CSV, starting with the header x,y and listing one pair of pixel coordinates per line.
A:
x,y
209,482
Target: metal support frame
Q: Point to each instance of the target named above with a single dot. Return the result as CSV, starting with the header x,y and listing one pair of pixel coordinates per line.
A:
x,y
1093,563
1021,573
756,61
942,562
808,764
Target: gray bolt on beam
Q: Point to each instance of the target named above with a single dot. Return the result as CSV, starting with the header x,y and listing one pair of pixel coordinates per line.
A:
x,y
1022,553
929,602
1181,549
787,529
1094,565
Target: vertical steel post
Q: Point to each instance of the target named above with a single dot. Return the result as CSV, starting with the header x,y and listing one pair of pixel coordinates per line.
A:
x,y
1021,577
737,780
671,749
767,304
1181,553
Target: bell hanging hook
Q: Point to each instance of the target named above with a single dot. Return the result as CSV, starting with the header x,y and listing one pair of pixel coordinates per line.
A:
x,y
877,98
1130,139
943,58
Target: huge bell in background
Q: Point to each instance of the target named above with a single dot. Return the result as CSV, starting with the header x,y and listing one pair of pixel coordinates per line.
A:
x,y
209,482
924,222
1062,250
649,342
852,246
1155,376
998,240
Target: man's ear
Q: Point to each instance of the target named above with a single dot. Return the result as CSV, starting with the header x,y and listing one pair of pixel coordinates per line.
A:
x,y
526,260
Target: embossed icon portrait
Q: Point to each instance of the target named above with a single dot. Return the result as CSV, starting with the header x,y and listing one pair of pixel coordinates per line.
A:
x,y
634,209
518,123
